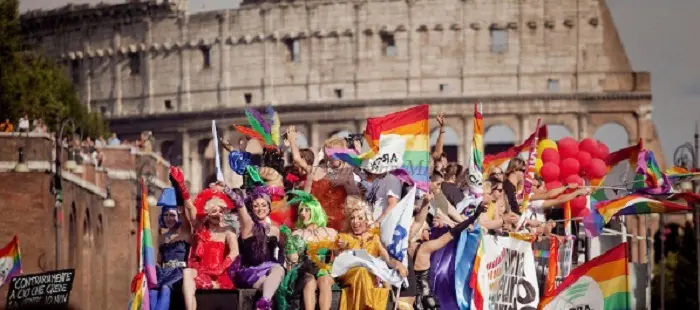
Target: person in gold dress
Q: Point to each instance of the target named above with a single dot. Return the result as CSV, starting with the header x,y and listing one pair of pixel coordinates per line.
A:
x,y
360,286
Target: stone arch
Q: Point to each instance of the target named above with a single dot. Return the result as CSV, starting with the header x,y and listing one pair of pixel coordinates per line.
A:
x,y
99,264
557,131
86,258
614,135
170,153
72,236
627,121
498,138
340,134
450,142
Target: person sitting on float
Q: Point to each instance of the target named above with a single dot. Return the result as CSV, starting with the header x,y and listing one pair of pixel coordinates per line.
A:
x,y
214,251
320,242
260,269
174,247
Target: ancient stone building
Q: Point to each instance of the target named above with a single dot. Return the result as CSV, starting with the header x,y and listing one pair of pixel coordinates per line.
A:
x,y
98,240
328,65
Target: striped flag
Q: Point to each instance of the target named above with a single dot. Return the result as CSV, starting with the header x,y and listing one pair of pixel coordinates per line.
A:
x,y
476,162
530,170
146,276
636,204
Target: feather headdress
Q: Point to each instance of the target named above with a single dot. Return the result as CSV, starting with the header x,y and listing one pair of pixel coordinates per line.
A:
x,y
266,130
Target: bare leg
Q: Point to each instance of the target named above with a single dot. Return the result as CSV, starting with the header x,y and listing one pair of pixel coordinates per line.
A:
x,y
310,292
325,292
272,282
189,288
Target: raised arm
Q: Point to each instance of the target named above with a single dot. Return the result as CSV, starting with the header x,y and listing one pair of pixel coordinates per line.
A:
x,y
244,217
564,198
296,156
177,179
440,140
421,216
431,246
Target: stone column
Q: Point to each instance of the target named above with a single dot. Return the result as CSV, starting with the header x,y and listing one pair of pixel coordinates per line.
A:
x,y
267,91
184,88
147,63
313,138
117,73
467,137
85,77
224,59
185,142
582,126
524,122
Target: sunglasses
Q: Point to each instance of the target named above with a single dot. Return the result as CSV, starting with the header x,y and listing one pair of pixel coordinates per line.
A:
x,y
497,173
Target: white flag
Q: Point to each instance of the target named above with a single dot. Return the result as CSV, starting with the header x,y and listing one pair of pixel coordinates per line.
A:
x,y
389,157
219,172
394,229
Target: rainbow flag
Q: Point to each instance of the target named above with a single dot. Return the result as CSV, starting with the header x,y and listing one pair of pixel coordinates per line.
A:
x,y
11,251
146,278
476,162
502,158
636,204
413,126
630,153
347,155
530,170
601,283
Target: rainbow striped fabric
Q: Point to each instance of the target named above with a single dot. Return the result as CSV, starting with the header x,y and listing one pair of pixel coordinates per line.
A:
x,y
530,172
647,166
146,278
11,252
502,158
476,160
636,204
412,125
630,153
601,283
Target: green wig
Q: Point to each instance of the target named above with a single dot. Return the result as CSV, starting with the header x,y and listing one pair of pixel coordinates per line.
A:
x,y
306,200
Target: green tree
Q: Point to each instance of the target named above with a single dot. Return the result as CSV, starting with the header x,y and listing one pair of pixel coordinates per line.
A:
x,y
670,294
34,84
686,278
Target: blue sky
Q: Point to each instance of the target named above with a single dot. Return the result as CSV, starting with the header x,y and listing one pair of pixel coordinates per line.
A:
x,y
658,37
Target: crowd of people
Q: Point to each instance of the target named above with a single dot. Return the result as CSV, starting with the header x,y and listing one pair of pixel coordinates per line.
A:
x,y
297,224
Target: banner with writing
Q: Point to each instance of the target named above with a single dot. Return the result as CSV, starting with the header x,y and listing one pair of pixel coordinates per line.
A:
x,y
49,290
506,277
552,262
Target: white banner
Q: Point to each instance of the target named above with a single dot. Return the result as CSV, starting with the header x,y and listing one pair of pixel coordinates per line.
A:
x,y
506,277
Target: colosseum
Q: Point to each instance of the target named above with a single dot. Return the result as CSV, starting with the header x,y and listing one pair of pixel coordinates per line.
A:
x,y
328,65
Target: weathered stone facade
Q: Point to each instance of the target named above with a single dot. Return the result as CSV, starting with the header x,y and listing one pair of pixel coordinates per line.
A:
x,y
328,65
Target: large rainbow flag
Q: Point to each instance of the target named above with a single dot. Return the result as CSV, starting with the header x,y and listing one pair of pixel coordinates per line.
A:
x,y
636,204
630,154
476,161
145,279
601,283
413,126
11,251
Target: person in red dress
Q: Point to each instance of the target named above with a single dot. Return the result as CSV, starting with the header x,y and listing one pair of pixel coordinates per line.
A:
x,y
214,251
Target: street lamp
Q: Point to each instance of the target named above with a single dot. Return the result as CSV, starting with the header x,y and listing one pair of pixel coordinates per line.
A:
x,y
58,188
109,202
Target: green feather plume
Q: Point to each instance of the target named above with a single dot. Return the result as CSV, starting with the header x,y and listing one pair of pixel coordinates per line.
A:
x,y
255,124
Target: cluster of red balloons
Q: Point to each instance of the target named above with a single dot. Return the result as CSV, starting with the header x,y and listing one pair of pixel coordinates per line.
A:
x,y
569,161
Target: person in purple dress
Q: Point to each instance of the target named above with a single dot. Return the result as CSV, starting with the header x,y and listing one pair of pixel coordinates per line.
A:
x,y
174,247
259,242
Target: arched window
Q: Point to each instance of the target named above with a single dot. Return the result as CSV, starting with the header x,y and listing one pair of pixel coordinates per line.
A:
x,y
450,142
72,237
614,135
556,132
498,138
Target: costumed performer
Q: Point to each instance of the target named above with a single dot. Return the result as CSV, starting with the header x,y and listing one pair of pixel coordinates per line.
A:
x,y
214,251
360,290
299,266
331,182
259,243
320,242
174,248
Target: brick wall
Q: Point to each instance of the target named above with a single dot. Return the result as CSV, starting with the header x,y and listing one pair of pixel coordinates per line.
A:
x,y
98,242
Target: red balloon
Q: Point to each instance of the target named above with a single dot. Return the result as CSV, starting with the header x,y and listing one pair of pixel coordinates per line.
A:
x,y
550,172
603,150
584,158
574,178
552,185
591,146
596,169
569,166
578,206
568,147
550,156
